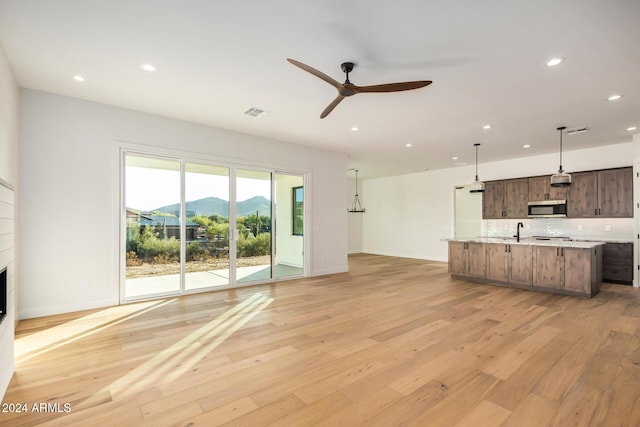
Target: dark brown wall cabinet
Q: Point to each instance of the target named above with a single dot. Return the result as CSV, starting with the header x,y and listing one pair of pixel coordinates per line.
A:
x,y
506,199
606,193
601,194
540,189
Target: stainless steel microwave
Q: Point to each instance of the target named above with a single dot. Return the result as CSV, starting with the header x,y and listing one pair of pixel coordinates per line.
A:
x,y
548,209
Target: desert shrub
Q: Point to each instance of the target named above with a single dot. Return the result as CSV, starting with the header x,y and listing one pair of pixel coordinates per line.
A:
x,y
132,259
165,258
150,245
254,246
195,252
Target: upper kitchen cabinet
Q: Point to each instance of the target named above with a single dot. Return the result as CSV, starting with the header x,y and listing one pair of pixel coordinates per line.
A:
x,y
616,193
493,200
582,200
601,194
540,189
506,199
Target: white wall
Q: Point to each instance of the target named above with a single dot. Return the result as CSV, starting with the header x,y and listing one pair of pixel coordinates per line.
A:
x,y
8,175
409,215
68,203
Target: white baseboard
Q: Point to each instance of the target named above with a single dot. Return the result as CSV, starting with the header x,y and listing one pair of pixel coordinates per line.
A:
x,y
325,271
29,313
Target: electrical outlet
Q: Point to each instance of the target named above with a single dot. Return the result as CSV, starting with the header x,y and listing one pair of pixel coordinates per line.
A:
x,y
607,227
579,227
528,226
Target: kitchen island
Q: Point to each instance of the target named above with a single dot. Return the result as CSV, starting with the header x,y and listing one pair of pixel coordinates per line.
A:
x,y
557,266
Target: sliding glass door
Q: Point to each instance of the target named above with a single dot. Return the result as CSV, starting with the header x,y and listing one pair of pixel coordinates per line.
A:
x,y
207,227
153,226
253,225
192,226
289,247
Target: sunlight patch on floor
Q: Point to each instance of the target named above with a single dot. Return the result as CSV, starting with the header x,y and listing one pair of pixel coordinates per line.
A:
x,y
37,343
174,361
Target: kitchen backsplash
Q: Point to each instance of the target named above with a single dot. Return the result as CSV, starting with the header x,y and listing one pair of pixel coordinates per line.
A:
x,y
597,229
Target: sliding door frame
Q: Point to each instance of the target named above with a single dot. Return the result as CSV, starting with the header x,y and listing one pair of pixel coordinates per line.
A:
x,y
125,148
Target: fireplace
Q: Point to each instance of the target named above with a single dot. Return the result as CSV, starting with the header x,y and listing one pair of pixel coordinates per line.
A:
x,y
3,294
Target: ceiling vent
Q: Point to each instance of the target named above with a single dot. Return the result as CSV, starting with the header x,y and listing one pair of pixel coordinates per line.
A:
x,y
574,131
255,112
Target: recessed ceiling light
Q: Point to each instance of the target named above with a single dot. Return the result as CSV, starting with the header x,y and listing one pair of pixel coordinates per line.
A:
x,y
632,128
486,127
407,145
614,97
148,67
554,61
526,146
454,158
355,129
78,78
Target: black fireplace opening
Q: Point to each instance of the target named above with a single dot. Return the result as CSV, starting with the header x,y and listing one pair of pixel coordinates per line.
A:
x,y
3,294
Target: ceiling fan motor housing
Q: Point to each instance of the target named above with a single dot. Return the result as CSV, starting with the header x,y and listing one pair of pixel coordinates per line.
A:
x,y
347,67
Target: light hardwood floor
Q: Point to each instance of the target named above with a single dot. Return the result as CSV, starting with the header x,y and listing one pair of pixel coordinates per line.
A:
x,y
393,342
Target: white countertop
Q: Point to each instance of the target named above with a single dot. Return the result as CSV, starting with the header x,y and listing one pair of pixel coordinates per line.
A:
x,y
531,241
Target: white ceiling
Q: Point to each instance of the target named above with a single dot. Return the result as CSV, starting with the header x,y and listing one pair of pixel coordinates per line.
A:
x,y
216,59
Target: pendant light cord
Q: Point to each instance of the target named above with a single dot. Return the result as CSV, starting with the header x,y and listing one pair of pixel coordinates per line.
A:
x,y
476,145
561,129
356,181
476,162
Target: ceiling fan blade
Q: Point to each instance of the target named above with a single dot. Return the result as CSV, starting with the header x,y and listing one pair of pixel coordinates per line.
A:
x,y
392,87
331,106
316,73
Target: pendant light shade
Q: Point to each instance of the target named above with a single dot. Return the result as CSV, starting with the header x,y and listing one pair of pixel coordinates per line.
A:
x,y
561,178
477,186
356,205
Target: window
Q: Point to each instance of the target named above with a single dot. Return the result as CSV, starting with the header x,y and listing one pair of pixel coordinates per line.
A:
x,y
298,210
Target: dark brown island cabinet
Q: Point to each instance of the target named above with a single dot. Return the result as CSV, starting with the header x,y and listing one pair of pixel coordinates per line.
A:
x,y
570,268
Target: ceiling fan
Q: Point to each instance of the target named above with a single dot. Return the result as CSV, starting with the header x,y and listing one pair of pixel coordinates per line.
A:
x,y
349,89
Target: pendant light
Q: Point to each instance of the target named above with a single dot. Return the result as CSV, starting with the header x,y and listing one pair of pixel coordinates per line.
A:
x,y
356,206
560,179
477,186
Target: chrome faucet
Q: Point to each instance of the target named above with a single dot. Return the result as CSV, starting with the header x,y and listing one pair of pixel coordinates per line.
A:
x,y
517,236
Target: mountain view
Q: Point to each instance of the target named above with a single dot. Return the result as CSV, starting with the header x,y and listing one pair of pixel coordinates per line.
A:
x,y
214,205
